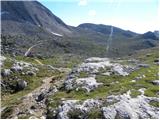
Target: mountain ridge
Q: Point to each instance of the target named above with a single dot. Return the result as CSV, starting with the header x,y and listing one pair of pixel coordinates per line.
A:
x,y
23,26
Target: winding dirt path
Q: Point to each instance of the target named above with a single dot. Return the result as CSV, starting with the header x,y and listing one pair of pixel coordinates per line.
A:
x,y
29,49
30,104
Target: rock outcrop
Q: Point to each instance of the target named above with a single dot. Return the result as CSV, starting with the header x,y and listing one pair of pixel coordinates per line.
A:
x,y
91,67
87,84
131,108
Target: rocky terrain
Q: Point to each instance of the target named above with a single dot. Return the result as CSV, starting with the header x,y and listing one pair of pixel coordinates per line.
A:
x,y
50,70
23,27
95,88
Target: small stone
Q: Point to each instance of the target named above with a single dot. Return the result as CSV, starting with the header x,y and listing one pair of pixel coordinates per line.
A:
x,y
143,65
155,82
31,73
133,81
156,60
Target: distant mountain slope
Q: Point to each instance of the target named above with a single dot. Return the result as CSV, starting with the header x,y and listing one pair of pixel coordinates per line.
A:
x,y
106,29
25,16
150,35
28,23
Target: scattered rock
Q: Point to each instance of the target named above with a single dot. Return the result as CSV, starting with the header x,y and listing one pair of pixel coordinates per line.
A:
x,y
139,77
16,68
70,105
142,90
19,66
31,73
143,65
93,66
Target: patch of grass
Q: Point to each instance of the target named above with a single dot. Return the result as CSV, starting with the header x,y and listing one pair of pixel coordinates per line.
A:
x,y
7,112
75,114
152,91
83,75
154,103
67,61
95,113
135,93
26,59
103,70
7,64
24,117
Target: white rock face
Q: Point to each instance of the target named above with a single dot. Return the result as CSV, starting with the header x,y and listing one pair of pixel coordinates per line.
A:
x,y
96,59
69,105
2,59
87,84
65,107
93,67
117,68
133,108
109,113
90,103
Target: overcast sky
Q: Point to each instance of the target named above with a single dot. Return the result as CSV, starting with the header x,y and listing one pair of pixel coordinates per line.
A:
x,y
135,15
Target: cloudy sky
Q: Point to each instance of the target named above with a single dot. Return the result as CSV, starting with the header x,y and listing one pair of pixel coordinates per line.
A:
x,y
136,15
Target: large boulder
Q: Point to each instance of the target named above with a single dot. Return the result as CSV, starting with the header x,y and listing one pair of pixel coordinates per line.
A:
x,y
65,108
87,84
21,84
119,70
131,108
6,72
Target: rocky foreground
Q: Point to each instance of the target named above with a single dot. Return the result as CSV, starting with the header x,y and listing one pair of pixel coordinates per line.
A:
x,y
96,88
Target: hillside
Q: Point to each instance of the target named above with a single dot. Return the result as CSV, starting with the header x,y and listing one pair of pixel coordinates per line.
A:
x,y
21,16
23,27
50,70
